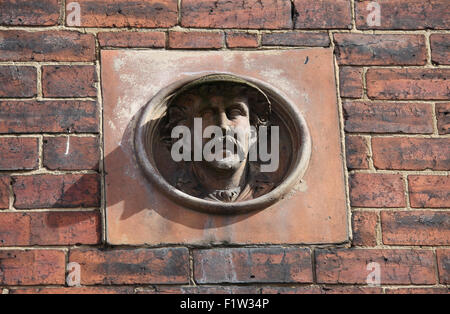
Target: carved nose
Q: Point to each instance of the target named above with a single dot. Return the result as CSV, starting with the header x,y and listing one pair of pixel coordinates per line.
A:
x,y
223,121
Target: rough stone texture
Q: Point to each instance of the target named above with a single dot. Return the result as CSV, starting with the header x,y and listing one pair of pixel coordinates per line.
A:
x,y
368,49
49,228
132,39
19,153
235,265
296,39
350,82
196,40
400,14
416,228
396,266
443,258
46,46
327,14
69,81
376,190
32,267
364,226
124,13
71,153
18,81
56,116
376,117
241,40
429,191
55,191
264,14
138,266
443,118
411,153
29,12
429,84
357,152
4,191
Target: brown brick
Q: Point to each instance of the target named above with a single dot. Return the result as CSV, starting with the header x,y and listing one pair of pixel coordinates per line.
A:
x,y
368,49
396,266
46,46
17,81
327,14
19,153
440,48
350,82
241,265
54,191
132,39
48,116
400,14
376,190
74,290
364,226
196,40
71,153
443,118
263,14
296,39
4,192
418,291
387,117
443,258
357,152
416,228
202,290
241,40
429,191
138,266
411,153
32,267
124,13
322,290
69,81
49,228
408,84
29,12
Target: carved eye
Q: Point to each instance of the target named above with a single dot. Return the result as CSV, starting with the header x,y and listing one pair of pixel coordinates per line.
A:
x,y
235,111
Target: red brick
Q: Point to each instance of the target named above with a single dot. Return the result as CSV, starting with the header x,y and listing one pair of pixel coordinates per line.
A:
x,y
46,46
132,39
32,267
364,226
349,266
429,191
400,14
296,39
74,290
416,228
443,118
241,40
48,116
443,258
18,81
350,82
4,192
368,49
49,228
263,14
29,12
327,14
202,290
241,265
196,40
408,84
440,48
376,190
19,153
71,153
55,191
138,266
69,81
124,13
375,117
417,291
322,290
411,153
357,152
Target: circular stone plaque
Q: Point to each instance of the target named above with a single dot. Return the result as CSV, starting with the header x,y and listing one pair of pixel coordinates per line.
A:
x,y
261,154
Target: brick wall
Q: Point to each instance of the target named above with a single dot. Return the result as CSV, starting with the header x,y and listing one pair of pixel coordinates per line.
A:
x,y
394,94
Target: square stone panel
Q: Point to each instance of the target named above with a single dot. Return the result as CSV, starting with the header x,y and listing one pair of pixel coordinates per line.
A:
x,y
137,213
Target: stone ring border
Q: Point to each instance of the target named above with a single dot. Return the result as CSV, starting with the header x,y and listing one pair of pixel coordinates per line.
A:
x,y
295,173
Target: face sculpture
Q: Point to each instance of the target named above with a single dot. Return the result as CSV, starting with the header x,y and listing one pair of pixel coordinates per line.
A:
x,y
219,116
